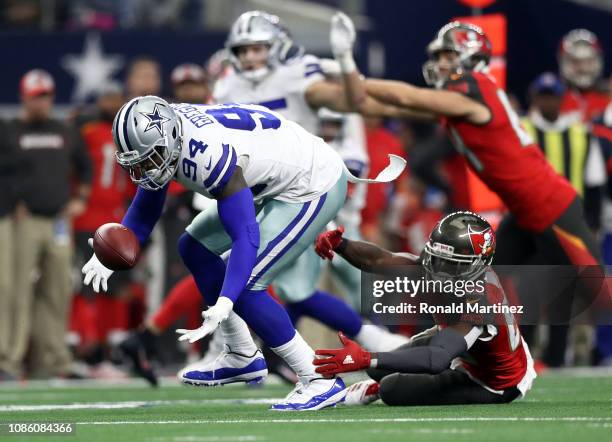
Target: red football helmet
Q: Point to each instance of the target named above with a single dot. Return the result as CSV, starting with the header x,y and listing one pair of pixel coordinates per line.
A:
x,y
467,41
580,58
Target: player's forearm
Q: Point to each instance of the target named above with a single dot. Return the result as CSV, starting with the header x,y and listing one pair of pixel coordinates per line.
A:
x,y
237,214
355,91
395,93
144,212
365,256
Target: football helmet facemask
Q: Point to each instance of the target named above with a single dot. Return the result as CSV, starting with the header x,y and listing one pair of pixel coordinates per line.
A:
x,y
580,59
258,27
461,246
467,41
148,135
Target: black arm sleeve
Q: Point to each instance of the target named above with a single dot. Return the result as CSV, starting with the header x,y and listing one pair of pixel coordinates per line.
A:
x,y
81,160
446,345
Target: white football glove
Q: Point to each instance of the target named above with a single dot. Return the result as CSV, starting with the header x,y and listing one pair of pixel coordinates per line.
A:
x,y
342,39
212,318
95,272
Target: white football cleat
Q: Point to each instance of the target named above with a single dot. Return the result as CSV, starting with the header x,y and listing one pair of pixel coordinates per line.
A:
x,y
227,368
362,393
317,394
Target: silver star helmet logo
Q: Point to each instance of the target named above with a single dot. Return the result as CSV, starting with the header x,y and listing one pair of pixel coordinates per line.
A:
x,y
156,120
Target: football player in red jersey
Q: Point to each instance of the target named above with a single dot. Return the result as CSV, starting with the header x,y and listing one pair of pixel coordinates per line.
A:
x,y
545,212
465,358
581,67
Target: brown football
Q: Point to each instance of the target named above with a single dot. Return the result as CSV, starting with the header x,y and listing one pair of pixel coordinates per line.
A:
x,y
116,246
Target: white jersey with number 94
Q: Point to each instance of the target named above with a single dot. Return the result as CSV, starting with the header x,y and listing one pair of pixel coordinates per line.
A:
x,y
279,158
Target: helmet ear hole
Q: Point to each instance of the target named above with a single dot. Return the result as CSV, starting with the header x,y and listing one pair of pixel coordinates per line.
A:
x,y
174,133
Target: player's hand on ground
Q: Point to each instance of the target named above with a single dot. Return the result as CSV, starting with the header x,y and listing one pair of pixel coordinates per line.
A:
x,y
95,272
351,357
212,318
327,242
342,34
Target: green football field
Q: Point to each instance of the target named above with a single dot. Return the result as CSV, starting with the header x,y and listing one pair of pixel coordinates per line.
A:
x,y
560,407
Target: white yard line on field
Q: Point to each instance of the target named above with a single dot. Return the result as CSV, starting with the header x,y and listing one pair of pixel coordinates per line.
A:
x,y
357,420
135,404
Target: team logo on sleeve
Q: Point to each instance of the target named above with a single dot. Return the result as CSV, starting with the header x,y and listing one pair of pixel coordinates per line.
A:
x,y
156,120
483,242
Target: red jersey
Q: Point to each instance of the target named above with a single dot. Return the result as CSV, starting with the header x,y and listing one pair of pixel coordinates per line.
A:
x,y
506,158
500,358
111,187
588,104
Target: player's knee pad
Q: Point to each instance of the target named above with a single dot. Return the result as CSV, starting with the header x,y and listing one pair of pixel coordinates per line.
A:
x,y
407,389
392,391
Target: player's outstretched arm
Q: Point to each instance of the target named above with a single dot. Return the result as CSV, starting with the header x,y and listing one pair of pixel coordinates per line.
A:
x,y
144,212
142,215
432,101
363,255
353,96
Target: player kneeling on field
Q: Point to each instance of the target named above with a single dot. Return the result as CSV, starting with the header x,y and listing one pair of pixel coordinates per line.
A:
x,y
464,359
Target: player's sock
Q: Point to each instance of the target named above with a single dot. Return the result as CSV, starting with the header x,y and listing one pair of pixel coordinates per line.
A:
x,y
375,338
329,310
183,298
237,336
208,269
270,321
299,355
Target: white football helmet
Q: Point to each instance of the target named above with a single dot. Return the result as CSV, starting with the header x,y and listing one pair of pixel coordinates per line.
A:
x,y
258,27
148,135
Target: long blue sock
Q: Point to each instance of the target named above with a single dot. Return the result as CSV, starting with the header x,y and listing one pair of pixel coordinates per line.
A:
x,y
207,269
265,316
331,311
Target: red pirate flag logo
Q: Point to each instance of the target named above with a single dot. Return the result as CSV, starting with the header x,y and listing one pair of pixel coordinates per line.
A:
x,y
483,243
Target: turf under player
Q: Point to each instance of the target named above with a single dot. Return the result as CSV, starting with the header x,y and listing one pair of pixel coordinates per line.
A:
x,y
465,358
275,185
546,214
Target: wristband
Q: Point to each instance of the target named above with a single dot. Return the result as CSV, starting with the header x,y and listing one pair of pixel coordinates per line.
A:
x,y
346,62
342,246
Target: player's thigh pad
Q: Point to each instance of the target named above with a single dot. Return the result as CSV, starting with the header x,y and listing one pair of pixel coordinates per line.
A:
x,y
287,230
298,281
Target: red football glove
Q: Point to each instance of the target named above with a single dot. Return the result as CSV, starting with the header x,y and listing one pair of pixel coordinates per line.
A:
x,y
341,360
327,241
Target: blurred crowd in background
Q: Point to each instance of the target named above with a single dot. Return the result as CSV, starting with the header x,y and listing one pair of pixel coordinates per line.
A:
x,y
59,181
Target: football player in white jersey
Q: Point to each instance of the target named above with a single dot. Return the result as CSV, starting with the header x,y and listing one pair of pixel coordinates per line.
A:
x,y
271,70
276,186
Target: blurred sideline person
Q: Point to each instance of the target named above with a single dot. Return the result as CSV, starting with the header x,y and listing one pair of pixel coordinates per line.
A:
x,y
9,177
143,77
98,320
573,153
581,62
53,161
467,358
567,144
